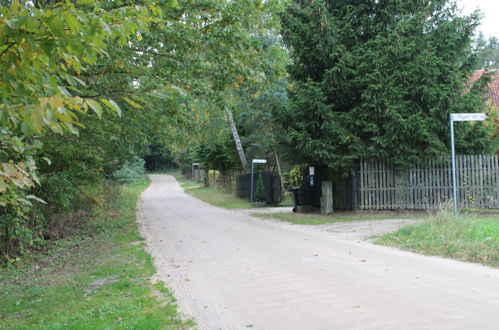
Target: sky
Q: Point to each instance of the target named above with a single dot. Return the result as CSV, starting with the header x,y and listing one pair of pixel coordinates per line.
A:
x,y
490,10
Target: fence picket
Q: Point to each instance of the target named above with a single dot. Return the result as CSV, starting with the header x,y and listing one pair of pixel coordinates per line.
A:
x,y
428,184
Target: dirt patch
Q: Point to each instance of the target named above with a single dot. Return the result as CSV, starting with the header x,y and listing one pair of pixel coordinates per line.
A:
x,y
366,229
96,284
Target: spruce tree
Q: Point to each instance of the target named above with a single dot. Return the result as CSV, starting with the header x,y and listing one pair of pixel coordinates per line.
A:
x,y
260,195
377,80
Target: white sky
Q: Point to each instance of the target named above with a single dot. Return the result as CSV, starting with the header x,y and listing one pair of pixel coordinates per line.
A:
x,y
490,10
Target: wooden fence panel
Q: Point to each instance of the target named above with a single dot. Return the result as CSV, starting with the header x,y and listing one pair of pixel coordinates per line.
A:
x,y
381,185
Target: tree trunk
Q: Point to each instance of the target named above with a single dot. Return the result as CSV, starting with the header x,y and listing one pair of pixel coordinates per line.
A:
x,y
233,128
278,165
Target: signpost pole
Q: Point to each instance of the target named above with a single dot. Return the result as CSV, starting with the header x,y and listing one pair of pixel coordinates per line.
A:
x,y
251,182
452,118
453,156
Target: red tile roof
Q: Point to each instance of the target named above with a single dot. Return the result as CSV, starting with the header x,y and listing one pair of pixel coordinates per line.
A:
x,y
493,86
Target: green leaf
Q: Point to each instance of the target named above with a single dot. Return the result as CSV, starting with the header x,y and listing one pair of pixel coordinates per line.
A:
x,y
64,91
72,22
20,21
80,81
95,106
117,107
33,197
112,105
72,128
31,41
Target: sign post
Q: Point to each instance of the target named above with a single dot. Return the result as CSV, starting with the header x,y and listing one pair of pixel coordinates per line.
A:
x,y
255,161
459,117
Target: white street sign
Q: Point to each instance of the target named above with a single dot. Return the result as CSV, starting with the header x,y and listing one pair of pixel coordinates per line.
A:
x,y
311,171
468,116
259,161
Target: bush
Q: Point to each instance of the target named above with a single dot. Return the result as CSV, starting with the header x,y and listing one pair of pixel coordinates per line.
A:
x,y
19,227
132,172
260,195
292,178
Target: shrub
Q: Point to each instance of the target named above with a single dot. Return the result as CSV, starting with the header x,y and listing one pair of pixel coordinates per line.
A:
x,y
292,178
260,195
19,227
132,172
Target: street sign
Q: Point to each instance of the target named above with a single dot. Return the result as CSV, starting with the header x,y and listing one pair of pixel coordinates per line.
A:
x,y
259,161
311,170
468,116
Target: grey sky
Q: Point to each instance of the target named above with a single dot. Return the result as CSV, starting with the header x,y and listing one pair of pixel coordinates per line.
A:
x,y
490,10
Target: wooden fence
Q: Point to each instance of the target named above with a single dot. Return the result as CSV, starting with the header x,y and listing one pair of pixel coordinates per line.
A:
x,y
379,185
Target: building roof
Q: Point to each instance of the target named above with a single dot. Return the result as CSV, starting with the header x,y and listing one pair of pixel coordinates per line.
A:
x,y
493,86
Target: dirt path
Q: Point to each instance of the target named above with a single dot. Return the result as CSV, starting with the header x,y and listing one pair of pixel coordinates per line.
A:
x,y
229,270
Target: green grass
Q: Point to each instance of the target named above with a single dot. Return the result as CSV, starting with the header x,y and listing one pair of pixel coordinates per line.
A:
x,y
97,282
219,198
189,185
467,237
318,219
288,201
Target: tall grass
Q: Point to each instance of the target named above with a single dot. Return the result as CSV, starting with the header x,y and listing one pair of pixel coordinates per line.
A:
x,y
465,237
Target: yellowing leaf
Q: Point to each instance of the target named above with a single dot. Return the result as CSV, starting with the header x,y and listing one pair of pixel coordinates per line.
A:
x,y
95,106
132,103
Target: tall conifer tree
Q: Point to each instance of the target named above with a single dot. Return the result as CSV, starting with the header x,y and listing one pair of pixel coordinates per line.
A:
x,y
378,79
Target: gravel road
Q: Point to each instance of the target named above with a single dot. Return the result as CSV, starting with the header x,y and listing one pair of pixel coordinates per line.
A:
x,y
229,270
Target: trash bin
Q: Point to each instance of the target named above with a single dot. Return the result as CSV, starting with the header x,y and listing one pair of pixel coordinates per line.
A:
x,y
296,200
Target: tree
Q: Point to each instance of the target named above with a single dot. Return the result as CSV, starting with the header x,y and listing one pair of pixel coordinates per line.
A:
x,y
70,68
487,52
260,189
45,47
378,79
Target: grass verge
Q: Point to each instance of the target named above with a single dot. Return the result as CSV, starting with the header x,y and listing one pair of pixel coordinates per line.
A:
x,y
91,283
473,238
219,198
318,219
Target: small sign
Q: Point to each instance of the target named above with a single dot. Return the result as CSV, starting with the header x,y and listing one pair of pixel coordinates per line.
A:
x,y
311,170
311,181
259,161
468,116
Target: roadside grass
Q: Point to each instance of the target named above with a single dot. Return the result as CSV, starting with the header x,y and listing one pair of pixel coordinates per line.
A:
x,y
347,216
97,282
187,185
467,237
219,198
288,200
